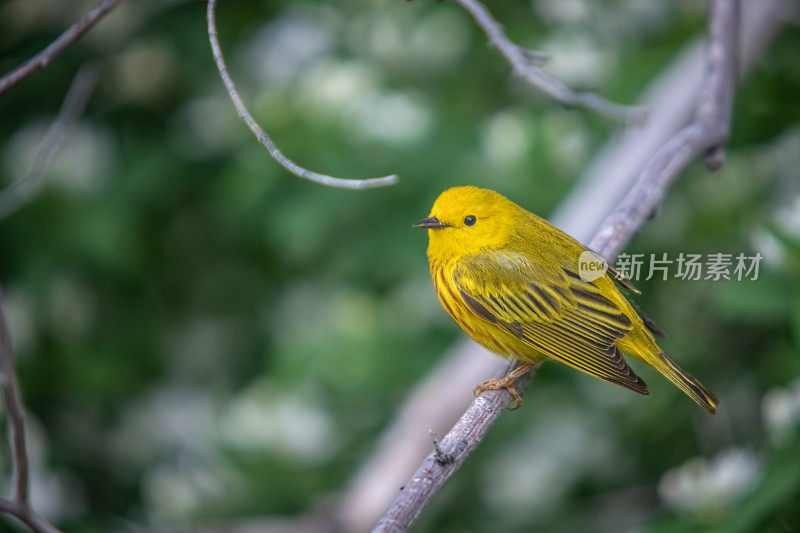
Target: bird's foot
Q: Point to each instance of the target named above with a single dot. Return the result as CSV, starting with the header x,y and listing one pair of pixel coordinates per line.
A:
x,y
508,383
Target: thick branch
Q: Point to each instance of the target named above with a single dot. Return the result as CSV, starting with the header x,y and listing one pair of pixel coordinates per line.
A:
x,y
524,67
715,100
21,192
707,130
46,56
706,134
265,139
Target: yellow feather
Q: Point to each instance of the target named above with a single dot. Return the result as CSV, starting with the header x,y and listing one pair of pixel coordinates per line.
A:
x,y
511,280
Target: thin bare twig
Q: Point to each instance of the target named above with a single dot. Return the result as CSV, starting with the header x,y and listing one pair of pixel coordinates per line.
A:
x,y
25,189
709,129
46,56
19,505
531,73
16,417
16,423
265,139
457,445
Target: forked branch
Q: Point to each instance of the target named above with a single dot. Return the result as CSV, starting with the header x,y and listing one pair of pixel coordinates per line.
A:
x,y
526,68
706,134
265,139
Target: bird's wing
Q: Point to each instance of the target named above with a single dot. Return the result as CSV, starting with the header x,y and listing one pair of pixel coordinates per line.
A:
x,y
621,279
552,310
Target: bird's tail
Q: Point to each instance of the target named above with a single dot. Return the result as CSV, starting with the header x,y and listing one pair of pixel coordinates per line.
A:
x,y
686,382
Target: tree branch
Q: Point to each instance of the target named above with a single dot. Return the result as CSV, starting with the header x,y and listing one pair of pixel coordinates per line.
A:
x,y
708,130
24,190
265,139
46,56
19,505
457,445
706,134
526,68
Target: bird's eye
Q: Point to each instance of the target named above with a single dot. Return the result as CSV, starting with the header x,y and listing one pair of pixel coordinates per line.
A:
x,y
470,220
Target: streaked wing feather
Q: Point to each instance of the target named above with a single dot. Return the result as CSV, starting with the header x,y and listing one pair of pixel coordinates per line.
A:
x,y
558,314
602,362
649,324
622,280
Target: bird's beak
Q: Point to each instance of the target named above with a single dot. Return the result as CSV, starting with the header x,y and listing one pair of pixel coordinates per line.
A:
x,y
430,223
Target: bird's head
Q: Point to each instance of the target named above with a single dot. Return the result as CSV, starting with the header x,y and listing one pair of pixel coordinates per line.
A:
x,y
466,220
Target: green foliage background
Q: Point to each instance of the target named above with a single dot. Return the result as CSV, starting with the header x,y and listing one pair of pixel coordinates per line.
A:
x,y
204,338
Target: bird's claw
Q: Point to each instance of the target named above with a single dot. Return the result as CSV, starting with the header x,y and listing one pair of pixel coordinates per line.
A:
x,y
507,383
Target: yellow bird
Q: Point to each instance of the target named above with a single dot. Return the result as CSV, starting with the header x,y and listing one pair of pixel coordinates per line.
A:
x,y
512,281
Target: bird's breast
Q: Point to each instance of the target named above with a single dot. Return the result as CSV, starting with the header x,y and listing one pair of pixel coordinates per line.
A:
x,y
481,331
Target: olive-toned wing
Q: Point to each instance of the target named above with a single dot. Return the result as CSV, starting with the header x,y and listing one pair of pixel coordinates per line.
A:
x,y
621,279
555,312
